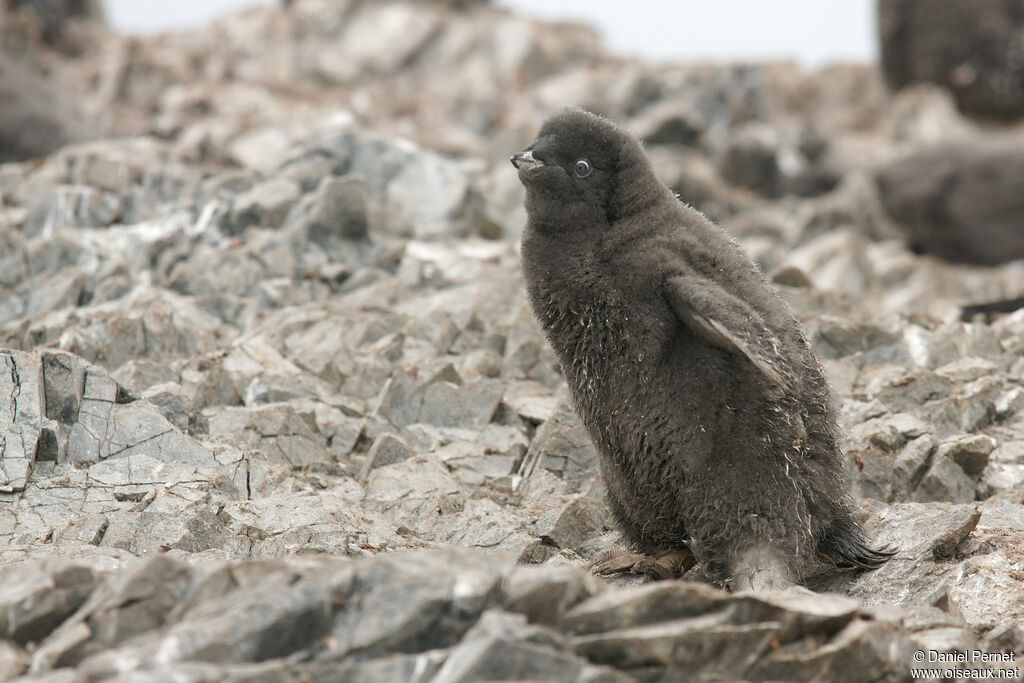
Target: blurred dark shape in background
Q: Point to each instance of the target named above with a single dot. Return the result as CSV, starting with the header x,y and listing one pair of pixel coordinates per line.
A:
x,y
963,202
975,48
991,309
39,114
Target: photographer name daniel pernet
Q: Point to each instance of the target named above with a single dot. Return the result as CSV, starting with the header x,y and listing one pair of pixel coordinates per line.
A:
x,y
972,656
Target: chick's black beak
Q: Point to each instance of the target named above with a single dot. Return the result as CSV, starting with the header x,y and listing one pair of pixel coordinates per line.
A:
x,y
524,160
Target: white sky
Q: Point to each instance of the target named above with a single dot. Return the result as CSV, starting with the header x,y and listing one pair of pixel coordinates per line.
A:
x,y
813,32
147,16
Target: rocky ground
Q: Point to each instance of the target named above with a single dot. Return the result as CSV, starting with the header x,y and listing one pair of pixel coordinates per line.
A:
x,y
273,406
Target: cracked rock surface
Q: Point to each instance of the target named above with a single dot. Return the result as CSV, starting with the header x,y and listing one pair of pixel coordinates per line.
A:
x,y
273,405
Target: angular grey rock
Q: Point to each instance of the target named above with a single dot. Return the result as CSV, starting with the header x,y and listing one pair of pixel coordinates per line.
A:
x,y
397,667
448,613
406,32
157,324
13,266
945,480
88,528
911,389
413,479
846,337
24,428
978,596
876,646
137,376
545,594
55,20
387,449
965,370
38,595
1005,638
113,168
1010,403
337,425
946,545
482,657
405,400
434,611
401,399
433,205
932,541
910,466
874,448
72,206
125,605
971,452
253,623
275,431
572,525
470,406
64,383
976,403
531,401
650,604
921,530
483,362
112,424
172,402
192,529
208,383
561,446
57,291
340,211
265,204
678,646
665,627
490,459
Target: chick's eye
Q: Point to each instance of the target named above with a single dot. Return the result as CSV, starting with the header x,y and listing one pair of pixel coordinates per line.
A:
x,y
582,168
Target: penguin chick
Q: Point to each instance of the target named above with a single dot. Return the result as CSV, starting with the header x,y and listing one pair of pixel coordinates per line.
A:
x,y
710,413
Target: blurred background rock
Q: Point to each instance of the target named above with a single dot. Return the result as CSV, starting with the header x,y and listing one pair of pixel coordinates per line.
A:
x,y
473,79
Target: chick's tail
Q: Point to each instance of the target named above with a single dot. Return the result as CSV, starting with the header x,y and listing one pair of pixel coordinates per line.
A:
x,y
845,546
